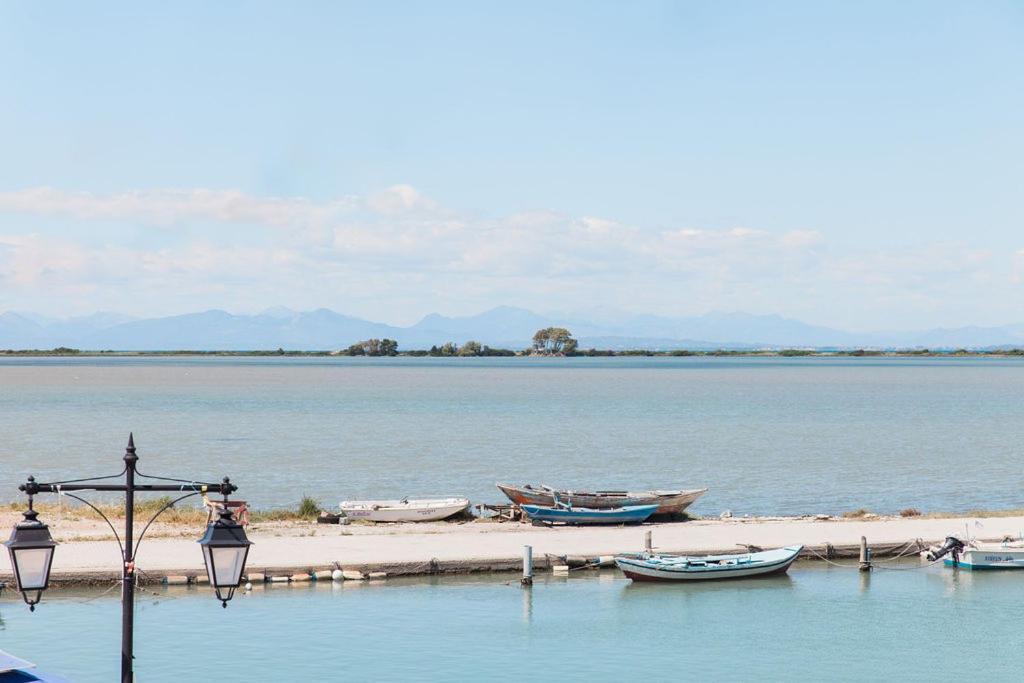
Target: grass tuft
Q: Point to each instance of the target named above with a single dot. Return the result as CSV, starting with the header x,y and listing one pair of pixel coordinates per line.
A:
x,y
309,508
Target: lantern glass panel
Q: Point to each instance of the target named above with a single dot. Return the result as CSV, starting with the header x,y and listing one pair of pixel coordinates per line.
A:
x,y
33,567
227,564
209,565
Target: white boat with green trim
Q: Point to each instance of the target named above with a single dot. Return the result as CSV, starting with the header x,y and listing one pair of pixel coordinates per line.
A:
x,y
974,554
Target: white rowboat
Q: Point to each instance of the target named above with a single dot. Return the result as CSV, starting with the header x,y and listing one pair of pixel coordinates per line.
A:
x,y
708,567
404,510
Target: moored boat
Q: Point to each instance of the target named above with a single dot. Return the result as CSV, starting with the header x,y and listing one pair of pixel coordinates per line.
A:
x,y
974,554
646,567
667,502
404,510
566,514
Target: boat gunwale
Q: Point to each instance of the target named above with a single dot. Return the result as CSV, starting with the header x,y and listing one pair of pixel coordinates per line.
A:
x,y
684,568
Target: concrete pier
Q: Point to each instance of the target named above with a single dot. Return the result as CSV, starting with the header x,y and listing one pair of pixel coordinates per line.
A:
x,y
409,549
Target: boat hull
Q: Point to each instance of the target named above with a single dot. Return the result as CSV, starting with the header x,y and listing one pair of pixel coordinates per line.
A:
x,y
995,557
715,568
396,511
628,515
668,502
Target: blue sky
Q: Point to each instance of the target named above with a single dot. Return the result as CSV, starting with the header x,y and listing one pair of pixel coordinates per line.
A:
x,y
851,164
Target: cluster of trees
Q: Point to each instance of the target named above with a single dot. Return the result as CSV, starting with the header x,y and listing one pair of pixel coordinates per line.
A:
x,y
59,351
470,348
373,347
554,341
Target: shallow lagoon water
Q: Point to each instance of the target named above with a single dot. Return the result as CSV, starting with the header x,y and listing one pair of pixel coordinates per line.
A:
x,y
767,435
817,623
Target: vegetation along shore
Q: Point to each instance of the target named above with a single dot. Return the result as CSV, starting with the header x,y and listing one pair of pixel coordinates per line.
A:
x,y
551,341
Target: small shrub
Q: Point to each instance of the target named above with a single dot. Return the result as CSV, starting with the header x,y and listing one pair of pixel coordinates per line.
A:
x,y
910,512
855,514
309,508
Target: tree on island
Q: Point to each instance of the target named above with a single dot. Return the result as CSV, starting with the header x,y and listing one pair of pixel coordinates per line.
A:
x,y
471,348
554,341
374,347
446,349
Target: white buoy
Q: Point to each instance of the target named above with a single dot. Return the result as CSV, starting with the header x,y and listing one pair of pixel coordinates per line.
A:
x,y
248,587
527,579
337,575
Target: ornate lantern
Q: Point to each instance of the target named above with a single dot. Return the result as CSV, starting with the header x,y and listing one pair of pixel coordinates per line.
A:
x,y
225,549
31,549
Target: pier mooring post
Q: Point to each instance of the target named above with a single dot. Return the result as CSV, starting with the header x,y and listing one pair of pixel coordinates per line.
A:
x,y
865,555
527,579
648,543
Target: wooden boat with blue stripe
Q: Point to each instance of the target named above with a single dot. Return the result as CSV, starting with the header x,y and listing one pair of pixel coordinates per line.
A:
x,y
668,502
567,514
645,567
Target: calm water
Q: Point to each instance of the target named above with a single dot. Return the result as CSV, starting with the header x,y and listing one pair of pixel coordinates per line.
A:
x,y
815,624
766,435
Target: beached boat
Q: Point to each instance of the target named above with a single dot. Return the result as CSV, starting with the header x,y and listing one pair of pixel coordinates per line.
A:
x,y
566,514
645,567
404,510
668,502
16,670
973,554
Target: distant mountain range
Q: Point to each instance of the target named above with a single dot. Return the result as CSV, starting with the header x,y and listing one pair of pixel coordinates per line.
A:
x,y
504,327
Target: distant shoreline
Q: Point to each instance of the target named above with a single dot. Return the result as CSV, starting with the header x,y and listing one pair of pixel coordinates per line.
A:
x,y
589,353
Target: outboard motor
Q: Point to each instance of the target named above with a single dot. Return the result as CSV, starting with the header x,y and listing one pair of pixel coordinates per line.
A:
x,y
952,545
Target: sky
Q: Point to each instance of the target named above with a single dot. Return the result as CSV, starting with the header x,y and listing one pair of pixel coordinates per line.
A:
x,y
859,165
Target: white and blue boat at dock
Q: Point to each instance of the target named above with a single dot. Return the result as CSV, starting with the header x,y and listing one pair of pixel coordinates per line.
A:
x,y
976,555
979,556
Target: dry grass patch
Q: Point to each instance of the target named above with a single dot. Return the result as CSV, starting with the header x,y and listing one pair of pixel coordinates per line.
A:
x,y
1015,512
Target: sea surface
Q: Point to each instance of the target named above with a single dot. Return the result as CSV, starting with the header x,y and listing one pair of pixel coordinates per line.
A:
x,y
766,435
817,623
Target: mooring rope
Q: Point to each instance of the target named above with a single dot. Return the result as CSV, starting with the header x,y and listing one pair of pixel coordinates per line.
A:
x,y
828,561
905,550
904,569
97,597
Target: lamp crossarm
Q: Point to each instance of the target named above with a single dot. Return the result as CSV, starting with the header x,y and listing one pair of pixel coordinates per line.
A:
x,y
159,512
33,488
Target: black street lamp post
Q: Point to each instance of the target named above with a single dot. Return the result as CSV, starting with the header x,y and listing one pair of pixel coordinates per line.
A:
x,y
225,546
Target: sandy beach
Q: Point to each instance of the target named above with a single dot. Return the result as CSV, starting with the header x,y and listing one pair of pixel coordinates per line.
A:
x,y
86,553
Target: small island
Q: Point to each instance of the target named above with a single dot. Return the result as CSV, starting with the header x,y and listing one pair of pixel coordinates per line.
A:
x,y
547,342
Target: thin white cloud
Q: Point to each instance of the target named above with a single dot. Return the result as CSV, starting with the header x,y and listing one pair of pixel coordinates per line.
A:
x,y
165,206
397,245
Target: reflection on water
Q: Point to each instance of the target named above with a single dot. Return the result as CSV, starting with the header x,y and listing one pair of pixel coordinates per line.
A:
x,y
527,604
592,625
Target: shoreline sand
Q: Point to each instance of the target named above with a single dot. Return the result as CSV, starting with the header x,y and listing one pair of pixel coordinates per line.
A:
x,y
302,549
